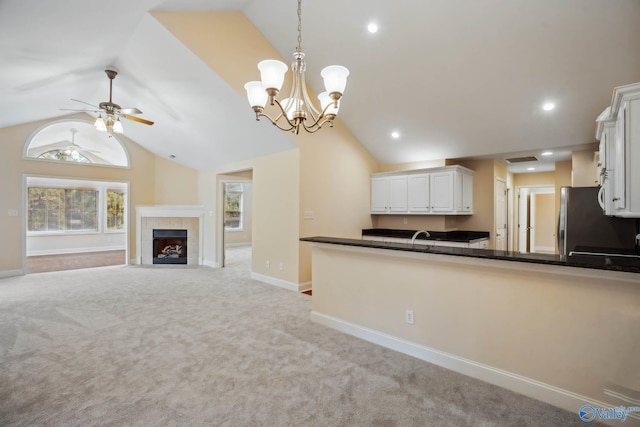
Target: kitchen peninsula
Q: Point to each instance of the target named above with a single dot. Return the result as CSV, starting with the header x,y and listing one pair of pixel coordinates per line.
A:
x,y
566,332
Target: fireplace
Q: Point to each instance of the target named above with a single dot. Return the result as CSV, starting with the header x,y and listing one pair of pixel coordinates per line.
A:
x,y
169,246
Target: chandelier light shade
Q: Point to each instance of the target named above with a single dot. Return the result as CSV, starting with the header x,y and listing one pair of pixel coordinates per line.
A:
x,y
296,111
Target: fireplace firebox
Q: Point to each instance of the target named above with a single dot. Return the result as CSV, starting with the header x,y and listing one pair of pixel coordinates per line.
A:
x,y
169,246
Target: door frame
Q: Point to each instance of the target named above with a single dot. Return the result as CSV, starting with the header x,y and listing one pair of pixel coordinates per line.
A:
x,y
531,190
223,179
505,237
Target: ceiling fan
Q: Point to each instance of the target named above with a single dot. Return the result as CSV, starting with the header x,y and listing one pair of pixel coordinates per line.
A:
x,y
112,111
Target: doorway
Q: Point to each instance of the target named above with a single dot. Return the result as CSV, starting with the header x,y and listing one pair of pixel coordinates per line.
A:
x,y
234,224
536,219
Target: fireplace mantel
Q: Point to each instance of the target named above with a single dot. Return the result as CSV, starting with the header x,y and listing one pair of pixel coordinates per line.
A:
x,y
169,211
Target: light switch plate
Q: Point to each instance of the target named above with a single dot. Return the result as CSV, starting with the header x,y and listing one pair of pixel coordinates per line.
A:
x,y
13,212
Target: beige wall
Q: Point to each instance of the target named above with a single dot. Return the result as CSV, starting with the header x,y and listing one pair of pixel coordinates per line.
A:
x,y
174,184
585,168
142,187
276,204
414,222
539,179
570,328
483,199
392,167
545,220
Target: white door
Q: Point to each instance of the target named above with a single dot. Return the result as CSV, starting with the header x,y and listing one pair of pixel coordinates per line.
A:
x,y
379,194
467,193
501,215
418,193
523,222
442,192
398,193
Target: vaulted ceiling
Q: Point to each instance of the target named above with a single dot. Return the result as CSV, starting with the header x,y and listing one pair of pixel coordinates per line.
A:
x,y
455,78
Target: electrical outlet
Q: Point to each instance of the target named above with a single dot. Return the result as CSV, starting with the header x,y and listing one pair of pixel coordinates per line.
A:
x,y
267,264
408,317
281,266
404,221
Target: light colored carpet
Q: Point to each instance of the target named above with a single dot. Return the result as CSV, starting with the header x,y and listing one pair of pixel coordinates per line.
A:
x,y
134,345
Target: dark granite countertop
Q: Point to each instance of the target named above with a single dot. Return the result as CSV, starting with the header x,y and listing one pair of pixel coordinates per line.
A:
x,y
614,263
449,236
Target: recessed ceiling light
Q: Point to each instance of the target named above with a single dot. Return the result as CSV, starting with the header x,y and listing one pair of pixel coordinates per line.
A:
x,y
531,169
395,134
372,28
548,106
546,153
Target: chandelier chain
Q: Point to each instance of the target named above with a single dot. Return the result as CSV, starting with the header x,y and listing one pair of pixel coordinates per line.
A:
x,y
299,48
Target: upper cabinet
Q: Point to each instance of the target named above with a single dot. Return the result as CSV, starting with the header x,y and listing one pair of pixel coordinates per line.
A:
x,y
438,191
389,194
619,134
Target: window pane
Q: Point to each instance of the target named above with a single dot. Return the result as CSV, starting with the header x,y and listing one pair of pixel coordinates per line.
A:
x,y
115,210
82,209
37,209
233,206
59,209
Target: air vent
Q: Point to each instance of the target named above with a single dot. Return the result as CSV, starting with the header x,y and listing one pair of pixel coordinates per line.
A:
x,y
522,159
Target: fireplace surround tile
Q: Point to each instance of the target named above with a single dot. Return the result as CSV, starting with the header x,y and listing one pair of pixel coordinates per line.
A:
x,y
169,217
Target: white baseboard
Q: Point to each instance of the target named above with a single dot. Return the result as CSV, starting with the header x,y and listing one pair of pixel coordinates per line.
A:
x,y
281,283
306,286
11,273
209,263
529,387
75,250
544,248
237,245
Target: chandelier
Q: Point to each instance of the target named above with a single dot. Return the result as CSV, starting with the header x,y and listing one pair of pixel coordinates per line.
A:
x,y
297,111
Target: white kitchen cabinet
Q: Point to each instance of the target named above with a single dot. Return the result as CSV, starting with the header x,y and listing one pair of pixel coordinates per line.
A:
x,y
379,191
418,193
466,192
481,243
606,135
389,194
386,239
441,190
619,169
437,191
626,173
478,244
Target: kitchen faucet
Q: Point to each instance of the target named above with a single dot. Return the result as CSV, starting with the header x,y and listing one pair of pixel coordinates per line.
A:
x,y
413,239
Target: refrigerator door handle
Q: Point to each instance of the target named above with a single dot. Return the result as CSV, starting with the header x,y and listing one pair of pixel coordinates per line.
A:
x,y
601,198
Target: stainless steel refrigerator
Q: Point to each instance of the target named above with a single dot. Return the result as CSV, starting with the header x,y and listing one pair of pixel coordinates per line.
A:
x,y
583,228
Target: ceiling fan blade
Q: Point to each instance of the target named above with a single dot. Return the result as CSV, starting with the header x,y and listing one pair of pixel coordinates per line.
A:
x,y
77,100
137,119
130,111
85,111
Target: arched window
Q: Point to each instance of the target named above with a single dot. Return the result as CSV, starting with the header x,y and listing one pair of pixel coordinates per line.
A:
x,y
76,141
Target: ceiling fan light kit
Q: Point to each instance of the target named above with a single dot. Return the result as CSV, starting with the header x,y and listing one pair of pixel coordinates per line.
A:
x,y
297,110
112,112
